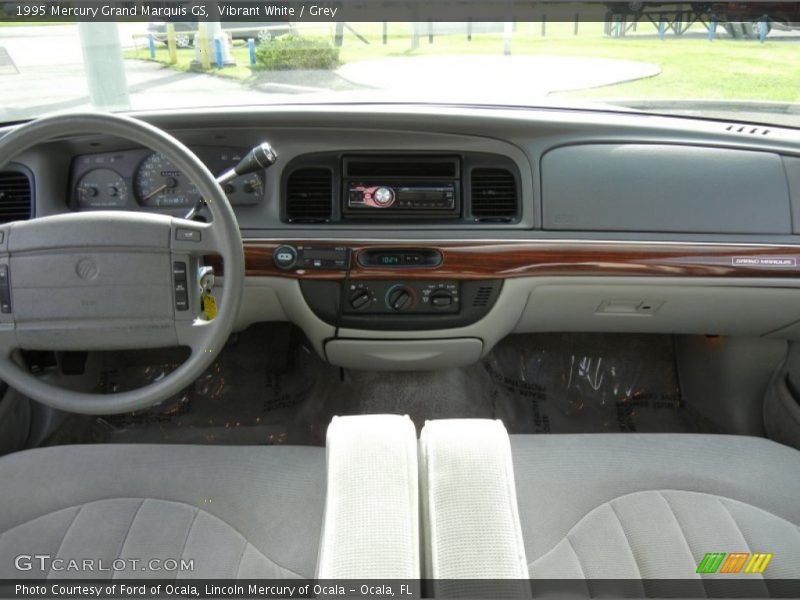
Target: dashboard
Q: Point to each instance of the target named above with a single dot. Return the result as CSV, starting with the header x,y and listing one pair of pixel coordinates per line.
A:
x,y
416,237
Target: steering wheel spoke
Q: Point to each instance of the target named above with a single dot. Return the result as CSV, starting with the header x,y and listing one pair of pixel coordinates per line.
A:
x,y
195,335
194,238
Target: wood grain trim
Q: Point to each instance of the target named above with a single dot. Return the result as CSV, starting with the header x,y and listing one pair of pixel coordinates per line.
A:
x,y
502,260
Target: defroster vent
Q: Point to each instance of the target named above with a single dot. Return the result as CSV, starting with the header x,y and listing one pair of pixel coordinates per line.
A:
x,y
309,195
494,195
15,196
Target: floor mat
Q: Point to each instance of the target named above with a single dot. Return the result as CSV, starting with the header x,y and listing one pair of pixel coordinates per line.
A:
x,y
542,383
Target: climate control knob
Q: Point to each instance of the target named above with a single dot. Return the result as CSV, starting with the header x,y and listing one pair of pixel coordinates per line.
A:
x,y
441,299
360,299
400,298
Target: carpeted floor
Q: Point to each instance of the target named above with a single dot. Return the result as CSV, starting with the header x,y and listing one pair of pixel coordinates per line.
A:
x,y
266,388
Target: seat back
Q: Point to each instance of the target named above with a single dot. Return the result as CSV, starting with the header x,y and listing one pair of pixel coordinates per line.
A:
x,y
470,517
371,523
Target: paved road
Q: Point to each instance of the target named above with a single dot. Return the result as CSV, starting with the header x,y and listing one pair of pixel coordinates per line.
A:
x,y
50,76
510,78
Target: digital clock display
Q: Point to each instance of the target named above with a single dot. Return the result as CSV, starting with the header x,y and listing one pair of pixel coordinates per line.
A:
x,y
389,259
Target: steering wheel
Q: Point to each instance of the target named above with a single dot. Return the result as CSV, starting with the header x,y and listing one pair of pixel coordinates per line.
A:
x,y
113,280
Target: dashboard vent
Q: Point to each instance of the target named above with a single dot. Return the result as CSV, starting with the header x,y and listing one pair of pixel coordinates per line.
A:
x,y
494,194
748,129
15,196
483,295
309,195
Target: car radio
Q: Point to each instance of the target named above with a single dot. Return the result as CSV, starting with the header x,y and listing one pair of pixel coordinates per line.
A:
x,y
396,186
400,198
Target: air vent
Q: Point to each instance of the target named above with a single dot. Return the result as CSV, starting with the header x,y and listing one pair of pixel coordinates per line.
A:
x,y
309,195
494,195
482,296
15,196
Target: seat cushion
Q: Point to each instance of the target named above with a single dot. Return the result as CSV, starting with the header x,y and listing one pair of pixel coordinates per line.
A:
x,y
247,512
638,506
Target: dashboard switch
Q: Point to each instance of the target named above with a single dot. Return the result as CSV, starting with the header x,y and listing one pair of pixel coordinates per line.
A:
x,y
187,235
360,299
180,283
285,257
5,290
441,299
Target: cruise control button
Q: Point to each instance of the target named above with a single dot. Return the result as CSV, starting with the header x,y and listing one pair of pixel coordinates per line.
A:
x,y
181,300
187,235
179,270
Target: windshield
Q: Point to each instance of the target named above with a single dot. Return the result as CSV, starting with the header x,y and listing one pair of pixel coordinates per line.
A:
x,y
726,61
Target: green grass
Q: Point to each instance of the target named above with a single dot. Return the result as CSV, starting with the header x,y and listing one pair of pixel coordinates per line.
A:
x,y
690,68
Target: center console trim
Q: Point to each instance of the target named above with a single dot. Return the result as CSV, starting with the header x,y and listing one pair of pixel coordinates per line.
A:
x,y
510,259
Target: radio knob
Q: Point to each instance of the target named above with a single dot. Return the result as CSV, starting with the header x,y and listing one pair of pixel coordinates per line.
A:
x,y
400,298
360,299
285,257
384,196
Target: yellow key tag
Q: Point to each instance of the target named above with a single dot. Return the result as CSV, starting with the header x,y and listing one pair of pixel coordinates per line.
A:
x,y
209,305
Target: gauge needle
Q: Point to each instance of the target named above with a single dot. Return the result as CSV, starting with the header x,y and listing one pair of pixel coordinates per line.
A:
x,y
154,192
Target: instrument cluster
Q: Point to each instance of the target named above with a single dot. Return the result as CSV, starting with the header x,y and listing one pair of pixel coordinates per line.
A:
x,y
145,180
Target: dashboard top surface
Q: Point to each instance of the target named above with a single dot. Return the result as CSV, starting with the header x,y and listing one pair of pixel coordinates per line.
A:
x,y
523,137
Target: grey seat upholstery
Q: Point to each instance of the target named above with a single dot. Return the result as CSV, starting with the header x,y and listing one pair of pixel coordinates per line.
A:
x,y
651,506
247,512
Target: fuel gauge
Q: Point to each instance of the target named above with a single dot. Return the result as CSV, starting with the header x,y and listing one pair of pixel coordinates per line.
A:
x,y
102,188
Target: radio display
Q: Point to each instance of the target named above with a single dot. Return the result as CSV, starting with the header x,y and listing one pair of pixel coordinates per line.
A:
x,y
426,194
389,259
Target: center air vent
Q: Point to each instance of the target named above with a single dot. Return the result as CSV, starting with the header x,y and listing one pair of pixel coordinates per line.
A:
x,y
15,196
494,194
309,195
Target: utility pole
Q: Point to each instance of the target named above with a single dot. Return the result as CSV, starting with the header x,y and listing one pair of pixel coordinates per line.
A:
x,y
105,69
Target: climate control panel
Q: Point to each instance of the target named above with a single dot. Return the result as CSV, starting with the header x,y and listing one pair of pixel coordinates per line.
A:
x,y
400,304
408,297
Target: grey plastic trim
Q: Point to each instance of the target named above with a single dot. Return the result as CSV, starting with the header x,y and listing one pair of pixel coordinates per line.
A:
x,y
403,355
763,307
664,188
663,305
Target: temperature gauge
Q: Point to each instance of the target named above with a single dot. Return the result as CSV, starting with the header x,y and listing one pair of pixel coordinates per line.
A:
x,y
102,188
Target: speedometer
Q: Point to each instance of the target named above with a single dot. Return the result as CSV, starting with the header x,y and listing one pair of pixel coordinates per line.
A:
x,y
160,183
